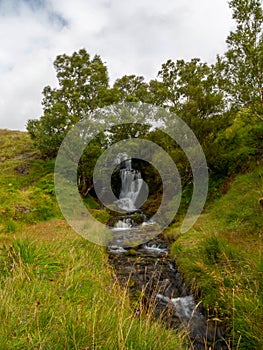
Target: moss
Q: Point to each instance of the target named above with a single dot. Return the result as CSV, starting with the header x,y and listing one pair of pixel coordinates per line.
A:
x,y
131,252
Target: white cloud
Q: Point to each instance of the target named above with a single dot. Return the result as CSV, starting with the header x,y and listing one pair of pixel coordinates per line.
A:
x,y
131,37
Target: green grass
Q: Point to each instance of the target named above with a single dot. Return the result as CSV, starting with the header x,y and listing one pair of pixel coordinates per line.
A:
x,y
26,180
61,293
221,259
58,290
15,144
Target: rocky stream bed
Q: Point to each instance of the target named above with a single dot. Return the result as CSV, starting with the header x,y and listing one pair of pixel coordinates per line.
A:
x,y
149,271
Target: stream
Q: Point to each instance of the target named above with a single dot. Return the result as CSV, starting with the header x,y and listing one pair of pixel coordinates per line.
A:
x,y
149,270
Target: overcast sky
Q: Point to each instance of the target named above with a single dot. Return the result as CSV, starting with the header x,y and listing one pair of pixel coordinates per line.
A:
x,y
132,37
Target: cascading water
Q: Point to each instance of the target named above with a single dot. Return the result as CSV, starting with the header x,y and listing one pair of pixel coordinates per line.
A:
x,y
133,193
152,272
124,224
150,269
131,184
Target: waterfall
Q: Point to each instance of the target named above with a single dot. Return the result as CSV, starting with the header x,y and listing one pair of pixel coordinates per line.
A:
x,y
123,224
133,193
131,184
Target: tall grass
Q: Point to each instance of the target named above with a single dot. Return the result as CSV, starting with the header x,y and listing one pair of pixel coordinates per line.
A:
x,y
26,181
221,258
63,295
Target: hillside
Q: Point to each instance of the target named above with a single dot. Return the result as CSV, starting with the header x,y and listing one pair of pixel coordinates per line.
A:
x,y
58,290
221,258
26,183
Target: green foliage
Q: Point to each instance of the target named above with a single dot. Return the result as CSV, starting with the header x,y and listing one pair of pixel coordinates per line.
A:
x,y
198,93
83,86
191,89
221,258
205,96
212,250
237,147
131,88
46,184
101,215
86,166
242,64
138,218
15,144
240,205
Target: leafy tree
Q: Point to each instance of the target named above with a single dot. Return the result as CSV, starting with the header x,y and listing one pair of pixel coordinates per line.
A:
x,y
158,93
191,87
242,64
236,148
131,88
83,86
191,91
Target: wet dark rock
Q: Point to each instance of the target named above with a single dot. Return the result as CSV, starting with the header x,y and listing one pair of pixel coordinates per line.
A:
x,y
149,271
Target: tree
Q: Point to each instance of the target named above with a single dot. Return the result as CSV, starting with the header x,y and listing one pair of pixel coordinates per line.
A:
x,y
131,88
83,86
191,87
242,65
190,90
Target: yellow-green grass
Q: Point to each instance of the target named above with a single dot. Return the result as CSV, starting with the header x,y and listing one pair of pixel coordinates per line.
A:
x,y
58,291
26,182
221,259
14,144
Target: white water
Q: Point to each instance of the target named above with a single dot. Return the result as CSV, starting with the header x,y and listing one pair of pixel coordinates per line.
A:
x,y
185,307
131,184
154,248
148,223
114,249
124,224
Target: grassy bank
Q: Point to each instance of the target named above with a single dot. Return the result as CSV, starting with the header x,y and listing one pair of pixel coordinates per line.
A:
x,y
57,290
26,181
221,259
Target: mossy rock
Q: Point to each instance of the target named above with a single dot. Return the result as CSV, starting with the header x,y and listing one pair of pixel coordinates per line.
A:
x,y
131,252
